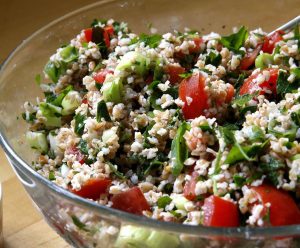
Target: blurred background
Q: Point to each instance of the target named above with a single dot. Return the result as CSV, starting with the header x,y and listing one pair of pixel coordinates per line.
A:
x,y
22,224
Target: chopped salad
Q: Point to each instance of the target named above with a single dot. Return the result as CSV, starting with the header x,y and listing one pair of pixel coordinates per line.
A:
x,y
180,127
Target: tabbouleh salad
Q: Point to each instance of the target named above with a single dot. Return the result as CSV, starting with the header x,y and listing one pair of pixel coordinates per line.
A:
x,y
181,127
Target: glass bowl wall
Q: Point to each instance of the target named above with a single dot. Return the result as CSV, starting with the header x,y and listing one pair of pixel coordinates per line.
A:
x,y
59,207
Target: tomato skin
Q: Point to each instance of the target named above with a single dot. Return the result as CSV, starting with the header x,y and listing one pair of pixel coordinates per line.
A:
x,y
220,213
75,151
131,201
189,187
269,42
230,94
250,86
108,31
100,76
193,87
88,34
174,71
93,188
283,210
198,42
249,59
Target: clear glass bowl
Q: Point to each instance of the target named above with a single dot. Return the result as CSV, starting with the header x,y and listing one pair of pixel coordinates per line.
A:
x,y
60,207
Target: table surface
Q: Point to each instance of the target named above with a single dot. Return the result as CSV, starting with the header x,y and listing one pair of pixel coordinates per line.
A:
x,y
23,226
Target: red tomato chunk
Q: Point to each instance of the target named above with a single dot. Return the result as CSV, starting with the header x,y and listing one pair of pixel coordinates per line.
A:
x,y
131,201
283,209
93,188
220,213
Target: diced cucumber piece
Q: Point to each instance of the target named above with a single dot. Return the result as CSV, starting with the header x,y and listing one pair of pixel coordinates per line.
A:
x,y
158,239
133,62
131,236
263,60
70,102
54,71
112,89
138,237
179,202
69,54
37,140
52,114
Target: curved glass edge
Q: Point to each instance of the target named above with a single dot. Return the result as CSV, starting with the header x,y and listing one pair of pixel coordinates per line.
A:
x,y
240,232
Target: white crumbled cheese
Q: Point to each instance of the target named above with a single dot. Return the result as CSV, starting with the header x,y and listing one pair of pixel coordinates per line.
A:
x,y
149,153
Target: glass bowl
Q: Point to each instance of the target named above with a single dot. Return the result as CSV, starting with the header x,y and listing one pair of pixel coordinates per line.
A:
x,y
66,212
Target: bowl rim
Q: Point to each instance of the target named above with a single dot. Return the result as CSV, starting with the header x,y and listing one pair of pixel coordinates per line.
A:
x,y
16,160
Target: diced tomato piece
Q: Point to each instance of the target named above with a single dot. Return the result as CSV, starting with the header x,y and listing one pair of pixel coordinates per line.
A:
x,y
101,75
270,41
220,213
107,33
283,208
192,93
88,34
75,151
174,71
189,187
249,59
197,41
131,201
93,188
250,85
230,94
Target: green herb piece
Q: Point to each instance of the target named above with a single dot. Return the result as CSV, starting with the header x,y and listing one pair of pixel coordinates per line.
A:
x,y
239,180
283,86
213,58
78,223
51,176
79,124
115,171
168,188
296,72
186,75
158,69
235,41
150,40
83,147
30,118
218,163
227,134
241,101
153,85
206,128
257,134
240,153
270,169
239,82
175,214
163,201
102,112
69,54
290,133
179,151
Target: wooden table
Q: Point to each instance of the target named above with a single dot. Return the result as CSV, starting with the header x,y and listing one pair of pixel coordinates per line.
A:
x,y
23,225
